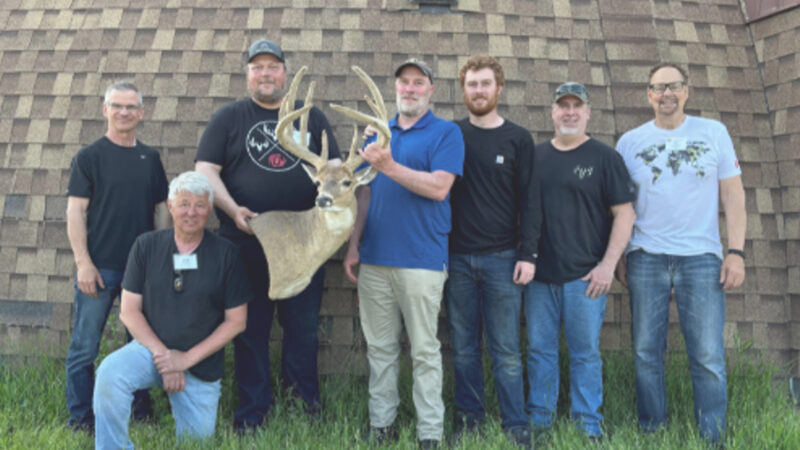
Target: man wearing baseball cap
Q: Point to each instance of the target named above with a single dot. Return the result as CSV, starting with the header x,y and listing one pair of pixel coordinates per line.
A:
x,y
402,225
588,214
251,173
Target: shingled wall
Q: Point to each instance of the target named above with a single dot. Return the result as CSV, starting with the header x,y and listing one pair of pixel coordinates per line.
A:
x,y
57,57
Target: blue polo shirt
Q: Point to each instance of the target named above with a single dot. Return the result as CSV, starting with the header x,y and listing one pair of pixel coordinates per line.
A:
x,y
404,229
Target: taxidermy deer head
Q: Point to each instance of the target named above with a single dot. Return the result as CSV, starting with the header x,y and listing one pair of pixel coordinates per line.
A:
x,y
298,243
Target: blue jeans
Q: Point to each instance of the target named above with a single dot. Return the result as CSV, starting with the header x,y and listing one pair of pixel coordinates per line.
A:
x,y
546,305
298,316
131,368
481,293
701,311
91,315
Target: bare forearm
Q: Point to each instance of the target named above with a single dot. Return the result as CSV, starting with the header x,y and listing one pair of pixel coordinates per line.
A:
x,y
733,202
139,328
432,185
621,228
161,216
362,198
223,334
76,233
222,198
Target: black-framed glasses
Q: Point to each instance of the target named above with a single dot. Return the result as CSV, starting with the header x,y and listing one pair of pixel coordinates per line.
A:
x,y
660,88
177,281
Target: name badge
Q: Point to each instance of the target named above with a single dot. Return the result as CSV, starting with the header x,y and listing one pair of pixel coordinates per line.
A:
x,y
184,262
676,143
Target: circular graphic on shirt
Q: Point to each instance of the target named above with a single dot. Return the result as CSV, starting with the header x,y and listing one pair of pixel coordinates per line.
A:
x,y
265,151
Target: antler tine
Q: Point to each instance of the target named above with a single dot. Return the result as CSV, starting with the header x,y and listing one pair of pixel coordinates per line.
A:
x,y
286,117
354,158
380,120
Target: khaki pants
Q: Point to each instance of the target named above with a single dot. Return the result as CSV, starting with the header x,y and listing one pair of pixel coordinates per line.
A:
x,y
388,297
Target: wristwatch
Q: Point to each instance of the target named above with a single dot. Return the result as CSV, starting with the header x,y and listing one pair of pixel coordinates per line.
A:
x,y
734,251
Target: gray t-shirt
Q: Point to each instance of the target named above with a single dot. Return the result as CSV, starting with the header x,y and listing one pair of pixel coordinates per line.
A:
x,y
677,175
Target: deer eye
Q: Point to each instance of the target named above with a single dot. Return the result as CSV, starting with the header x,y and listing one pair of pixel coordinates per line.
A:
x,y
317,183
346,183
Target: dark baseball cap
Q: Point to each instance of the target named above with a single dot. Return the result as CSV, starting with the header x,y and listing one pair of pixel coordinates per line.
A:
x,y
264,47
419,64
571,88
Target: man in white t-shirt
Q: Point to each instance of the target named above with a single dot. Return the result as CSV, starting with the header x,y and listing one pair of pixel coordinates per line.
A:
x,y
683,166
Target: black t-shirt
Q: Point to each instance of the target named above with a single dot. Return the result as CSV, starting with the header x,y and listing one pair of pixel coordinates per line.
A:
x,y
578,189
183,319
256,170
123,184
496,203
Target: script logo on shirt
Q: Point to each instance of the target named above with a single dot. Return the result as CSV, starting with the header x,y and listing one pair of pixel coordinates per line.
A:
x,y
583,172
266,152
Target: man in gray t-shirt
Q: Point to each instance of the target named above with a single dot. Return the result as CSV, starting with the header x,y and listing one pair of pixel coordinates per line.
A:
x,y
683,166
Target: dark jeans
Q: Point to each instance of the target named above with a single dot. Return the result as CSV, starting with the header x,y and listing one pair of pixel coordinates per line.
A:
x,y
91,315
298,316
481,294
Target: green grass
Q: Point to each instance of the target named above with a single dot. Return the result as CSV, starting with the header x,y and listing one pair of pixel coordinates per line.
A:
x,y
760,414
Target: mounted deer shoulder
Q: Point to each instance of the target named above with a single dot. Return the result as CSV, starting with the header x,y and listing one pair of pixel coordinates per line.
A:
x,y
298,243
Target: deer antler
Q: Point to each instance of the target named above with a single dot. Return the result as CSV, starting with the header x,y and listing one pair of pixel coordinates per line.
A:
x,y
379,121
285,129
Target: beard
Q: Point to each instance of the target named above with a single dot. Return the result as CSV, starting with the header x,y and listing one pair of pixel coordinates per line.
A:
x,y
571,131
411,110
491,104
269,98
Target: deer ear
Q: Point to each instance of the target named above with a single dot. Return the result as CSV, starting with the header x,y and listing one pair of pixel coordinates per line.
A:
x,y
310,170
365,175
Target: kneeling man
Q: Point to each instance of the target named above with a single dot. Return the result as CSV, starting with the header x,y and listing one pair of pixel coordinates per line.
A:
x,y
184,297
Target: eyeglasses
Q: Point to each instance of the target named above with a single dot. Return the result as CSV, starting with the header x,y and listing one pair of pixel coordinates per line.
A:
x,y
177,281
660,88
128,108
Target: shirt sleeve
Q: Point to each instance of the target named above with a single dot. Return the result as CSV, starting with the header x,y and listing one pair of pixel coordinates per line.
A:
x,y
214,140
449,154
80,180
617,182
133,280
530,205
159,181
728,163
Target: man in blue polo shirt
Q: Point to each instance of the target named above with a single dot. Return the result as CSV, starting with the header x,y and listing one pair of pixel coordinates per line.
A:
x,y
402,226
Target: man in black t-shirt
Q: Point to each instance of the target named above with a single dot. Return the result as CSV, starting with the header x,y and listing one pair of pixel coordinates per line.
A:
x,y
251,173
493,251
588,213
184,298
116,191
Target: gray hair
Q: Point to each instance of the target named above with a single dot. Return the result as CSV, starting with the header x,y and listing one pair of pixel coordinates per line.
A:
x,y
194,182
122,86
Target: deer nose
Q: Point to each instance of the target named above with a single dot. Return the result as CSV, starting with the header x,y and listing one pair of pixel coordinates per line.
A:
x,y
324,202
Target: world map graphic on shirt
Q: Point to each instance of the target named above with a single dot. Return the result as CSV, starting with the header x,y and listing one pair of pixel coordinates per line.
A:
x,y
675,159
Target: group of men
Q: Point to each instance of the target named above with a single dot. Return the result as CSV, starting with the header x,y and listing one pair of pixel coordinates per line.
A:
x,y
470,211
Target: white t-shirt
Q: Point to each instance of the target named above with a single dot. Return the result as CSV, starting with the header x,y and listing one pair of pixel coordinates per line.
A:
x,y
677,175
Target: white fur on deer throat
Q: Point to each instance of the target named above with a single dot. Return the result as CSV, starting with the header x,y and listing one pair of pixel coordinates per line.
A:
x,y
338,220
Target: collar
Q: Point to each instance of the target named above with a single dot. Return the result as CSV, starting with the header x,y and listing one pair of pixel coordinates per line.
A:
x,y
423,121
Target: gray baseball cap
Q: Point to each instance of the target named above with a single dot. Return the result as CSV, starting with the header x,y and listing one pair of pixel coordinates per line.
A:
x,y
571,88
419,64
264,47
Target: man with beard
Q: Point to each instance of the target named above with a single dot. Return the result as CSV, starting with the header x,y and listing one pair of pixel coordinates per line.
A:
x,y
251,173
493,251
404,215
683,166
588,216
